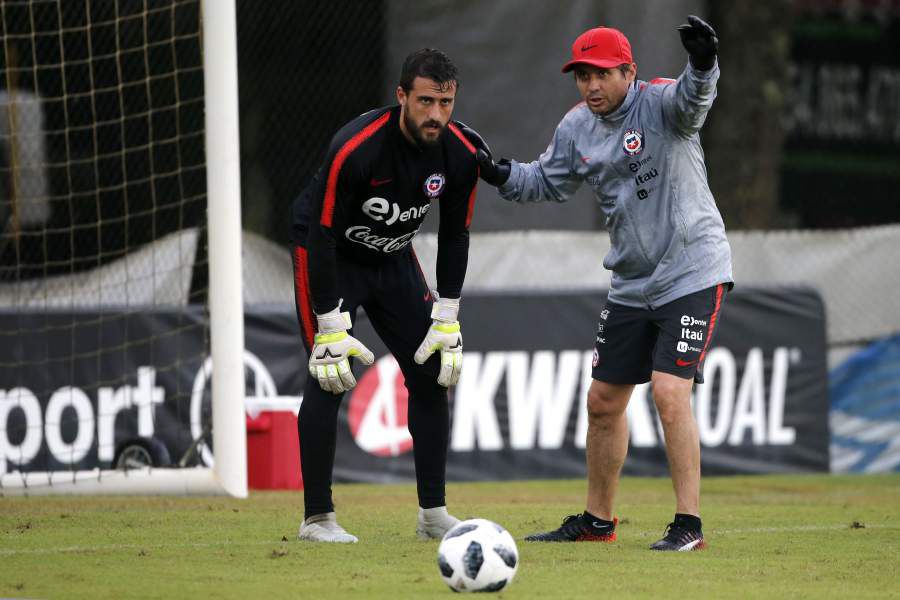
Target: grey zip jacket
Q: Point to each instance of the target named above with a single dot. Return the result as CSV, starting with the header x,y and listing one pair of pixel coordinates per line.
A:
x,y
645,165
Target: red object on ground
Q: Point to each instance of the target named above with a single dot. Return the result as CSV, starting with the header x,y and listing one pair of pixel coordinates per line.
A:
x,y
273,451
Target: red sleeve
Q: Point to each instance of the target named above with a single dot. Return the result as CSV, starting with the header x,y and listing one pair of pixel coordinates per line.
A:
x,y
337,163
341,177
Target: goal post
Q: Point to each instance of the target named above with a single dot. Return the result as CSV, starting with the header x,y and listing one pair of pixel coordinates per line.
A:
x,y
110,203
224,209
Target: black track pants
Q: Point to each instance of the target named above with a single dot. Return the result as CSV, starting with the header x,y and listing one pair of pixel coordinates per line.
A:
x,y
398,303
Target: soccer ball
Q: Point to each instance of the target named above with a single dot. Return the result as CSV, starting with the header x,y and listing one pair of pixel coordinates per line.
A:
x,y
478,556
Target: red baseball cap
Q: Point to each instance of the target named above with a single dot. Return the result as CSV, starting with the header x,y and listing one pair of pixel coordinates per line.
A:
x,y
602,47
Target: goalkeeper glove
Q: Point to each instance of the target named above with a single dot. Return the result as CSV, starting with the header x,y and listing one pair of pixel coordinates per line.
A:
x,y
329,361
444,336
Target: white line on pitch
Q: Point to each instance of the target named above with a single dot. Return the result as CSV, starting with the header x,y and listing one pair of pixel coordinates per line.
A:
x,y
791,529
66,549
115,547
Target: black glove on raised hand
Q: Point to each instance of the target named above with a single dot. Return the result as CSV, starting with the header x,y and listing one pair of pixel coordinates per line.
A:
x,y
494,173
701,42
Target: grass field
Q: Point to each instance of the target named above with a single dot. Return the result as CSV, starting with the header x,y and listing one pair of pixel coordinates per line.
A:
x,y
770,537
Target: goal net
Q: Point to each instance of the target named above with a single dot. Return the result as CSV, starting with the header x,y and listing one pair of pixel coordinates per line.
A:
x,y
120,365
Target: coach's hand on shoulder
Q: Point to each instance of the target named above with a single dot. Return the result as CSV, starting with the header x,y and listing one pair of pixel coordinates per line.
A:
x,y
329,361
494,173
700,41
444,336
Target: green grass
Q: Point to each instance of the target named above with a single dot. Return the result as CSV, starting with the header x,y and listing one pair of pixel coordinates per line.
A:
x,y
785,536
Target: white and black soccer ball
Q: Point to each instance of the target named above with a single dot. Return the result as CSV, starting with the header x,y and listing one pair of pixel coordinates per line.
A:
x,y
478,556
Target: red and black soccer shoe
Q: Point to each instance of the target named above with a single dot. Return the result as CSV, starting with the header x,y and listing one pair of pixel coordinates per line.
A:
x,y
680,539
578,528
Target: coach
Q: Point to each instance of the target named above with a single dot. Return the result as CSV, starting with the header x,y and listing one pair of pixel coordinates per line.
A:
x,y
636,144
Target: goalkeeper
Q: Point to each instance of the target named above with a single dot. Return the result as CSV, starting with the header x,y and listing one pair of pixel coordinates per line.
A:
x,y
351,230
637,145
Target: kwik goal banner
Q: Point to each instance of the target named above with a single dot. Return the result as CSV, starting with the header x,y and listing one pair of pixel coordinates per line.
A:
x,y
71,393
519,409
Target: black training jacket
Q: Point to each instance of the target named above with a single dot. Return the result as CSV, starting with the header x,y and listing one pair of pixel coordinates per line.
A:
x,y
371,195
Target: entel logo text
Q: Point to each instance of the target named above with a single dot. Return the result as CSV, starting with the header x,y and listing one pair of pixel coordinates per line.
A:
x,y
378,209
687,321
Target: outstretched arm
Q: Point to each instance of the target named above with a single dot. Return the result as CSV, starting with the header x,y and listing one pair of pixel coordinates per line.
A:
x,y
551,177
686,103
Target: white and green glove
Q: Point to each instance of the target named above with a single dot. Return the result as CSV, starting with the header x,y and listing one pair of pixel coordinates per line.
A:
x,y
444,335
329,361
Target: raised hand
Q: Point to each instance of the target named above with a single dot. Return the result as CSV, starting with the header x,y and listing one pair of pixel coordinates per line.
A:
x,y
700,41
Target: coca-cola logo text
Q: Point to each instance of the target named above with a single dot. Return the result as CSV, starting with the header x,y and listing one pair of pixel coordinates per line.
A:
x,y
363,235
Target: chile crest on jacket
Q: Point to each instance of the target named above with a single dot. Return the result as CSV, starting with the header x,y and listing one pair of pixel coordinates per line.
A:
x,y
434,185
633,142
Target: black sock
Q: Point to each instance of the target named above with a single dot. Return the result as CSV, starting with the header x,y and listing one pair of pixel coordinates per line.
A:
x,y
597,522
429,425
317,427
688,522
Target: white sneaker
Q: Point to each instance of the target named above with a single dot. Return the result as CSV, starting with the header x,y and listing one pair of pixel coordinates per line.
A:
x,y
324,528
433,523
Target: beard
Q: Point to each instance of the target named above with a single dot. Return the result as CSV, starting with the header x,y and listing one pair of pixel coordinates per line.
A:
x,y
416,131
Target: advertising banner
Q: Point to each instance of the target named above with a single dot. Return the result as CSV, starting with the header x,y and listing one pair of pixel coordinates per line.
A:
x,y
519,410
79,384
75,385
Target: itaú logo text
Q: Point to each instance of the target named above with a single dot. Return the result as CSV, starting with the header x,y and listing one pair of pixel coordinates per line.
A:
x,y
378,410
362,234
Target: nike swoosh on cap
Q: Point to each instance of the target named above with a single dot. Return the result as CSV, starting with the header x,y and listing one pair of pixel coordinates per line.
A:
x,y
586,48
376,182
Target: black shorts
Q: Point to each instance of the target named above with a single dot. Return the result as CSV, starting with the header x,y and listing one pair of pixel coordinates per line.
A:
x,y
674,338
